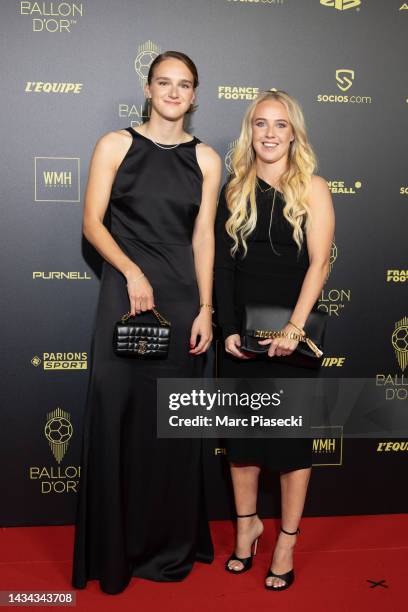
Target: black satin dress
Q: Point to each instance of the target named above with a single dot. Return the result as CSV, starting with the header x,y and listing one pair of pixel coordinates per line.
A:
x,y
270,275
141,509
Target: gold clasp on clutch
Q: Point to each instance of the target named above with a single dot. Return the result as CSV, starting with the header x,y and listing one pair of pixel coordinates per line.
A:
x,y
142,347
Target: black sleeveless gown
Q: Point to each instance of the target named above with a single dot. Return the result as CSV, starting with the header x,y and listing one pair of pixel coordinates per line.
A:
x,y
141,508
268,276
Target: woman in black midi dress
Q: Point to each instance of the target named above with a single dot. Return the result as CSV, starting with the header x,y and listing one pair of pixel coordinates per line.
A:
x,y
141,507
270,266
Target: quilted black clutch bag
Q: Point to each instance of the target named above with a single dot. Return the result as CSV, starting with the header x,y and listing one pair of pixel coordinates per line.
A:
x,y
263,321
133,338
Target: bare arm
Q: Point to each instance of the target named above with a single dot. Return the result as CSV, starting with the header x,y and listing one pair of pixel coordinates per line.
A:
x,y
203,245
107,156
319,239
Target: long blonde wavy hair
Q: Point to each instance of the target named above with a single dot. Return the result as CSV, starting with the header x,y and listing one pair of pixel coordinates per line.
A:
x,y
294,183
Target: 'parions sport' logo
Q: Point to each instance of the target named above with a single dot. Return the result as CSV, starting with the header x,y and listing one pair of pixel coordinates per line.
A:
x,y
344,78
61,361
342,5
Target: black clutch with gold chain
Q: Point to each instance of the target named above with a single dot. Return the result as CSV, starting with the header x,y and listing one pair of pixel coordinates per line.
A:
x,y
263,321
133,338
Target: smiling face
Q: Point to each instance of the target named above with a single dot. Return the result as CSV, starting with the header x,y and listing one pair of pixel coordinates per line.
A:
x,y
272,131
171,89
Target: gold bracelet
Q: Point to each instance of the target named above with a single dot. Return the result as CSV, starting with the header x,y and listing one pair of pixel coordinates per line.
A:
x,y
300,330
207,306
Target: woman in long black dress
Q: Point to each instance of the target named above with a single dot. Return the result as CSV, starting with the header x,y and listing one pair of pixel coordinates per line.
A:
x,y
141,510
275,226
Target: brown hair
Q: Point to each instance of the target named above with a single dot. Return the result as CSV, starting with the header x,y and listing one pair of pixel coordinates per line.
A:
x,y
182,57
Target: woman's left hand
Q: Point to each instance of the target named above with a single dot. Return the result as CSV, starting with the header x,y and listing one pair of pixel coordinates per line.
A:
x,y
202,326
281,347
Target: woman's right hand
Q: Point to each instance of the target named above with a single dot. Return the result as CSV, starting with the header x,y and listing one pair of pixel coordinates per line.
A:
x,y
232,346
140,293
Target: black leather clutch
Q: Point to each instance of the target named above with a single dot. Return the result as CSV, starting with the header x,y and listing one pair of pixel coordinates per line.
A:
x,y
133,338
263,321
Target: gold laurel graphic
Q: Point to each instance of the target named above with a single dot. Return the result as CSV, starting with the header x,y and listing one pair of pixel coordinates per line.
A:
x,y
399,341
58,431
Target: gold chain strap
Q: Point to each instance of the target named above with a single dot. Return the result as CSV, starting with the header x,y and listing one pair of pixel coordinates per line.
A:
x,y
162,320
264,334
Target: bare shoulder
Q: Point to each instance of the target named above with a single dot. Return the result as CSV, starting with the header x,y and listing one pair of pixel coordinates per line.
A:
x,y
208,158
112,141
112,147
319,184
320,195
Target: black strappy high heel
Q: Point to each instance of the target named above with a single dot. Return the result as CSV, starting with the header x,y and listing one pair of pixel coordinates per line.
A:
x,y
289,577
247,561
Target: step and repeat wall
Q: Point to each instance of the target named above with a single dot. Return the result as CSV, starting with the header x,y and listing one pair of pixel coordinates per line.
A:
x,y
72,71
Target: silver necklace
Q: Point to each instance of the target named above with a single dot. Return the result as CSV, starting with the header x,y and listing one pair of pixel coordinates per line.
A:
x,y
162,146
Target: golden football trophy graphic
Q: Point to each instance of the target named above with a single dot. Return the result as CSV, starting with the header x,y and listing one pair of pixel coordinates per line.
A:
x,y
229,154
333,257
399,341
58,430
146,53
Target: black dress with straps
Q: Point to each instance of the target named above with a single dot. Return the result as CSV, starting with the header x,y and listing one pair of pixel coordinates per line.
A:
x,y
272,272
141,508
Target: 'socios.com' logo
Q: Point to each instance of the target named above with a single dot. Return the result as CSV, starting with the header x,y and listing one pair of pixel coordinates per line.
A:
x,y
344,78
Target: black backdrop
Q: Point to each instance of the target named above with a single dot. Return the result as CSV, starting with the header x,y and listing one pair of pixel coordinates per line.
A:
x,y
74,70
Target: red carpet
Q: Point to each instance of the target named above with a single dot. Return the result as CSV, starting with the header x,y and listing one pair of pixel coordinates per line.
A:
x,y
334,559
